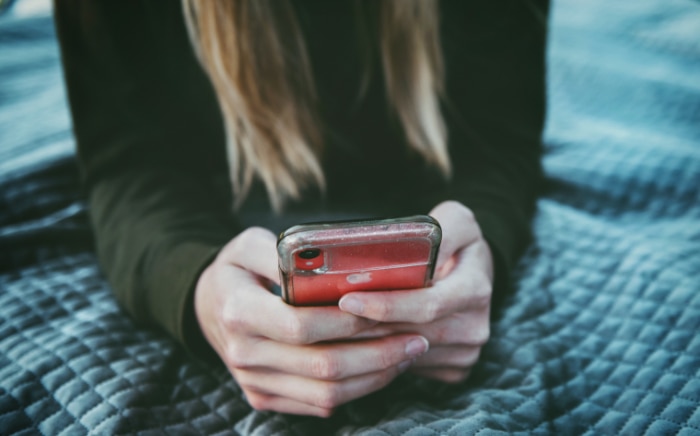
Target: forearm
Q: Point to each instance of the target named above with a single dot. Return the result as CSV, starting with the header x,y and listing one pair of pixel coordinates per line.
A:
x,y
496,113
155,233
150,144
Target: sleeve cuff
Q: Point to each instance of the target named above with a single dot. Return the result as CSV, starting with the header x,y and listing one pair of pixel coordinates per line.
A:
x,y
171,300
506,239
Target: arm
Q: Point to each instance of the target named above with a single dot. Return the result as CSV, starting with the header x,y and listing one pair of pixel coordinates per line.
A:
x,y
496,97
147,149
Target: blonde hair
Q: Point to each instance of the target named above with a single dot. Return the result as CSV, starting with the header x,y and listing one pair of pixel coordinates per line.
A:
x,y
256,59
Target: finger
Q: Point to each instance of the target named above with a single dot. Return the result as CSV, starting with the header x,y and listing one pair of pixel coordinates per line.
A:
x,y
255,250
465,328
466,288
446,374
448,356
275,403
335,361
258,312
459,229
319,393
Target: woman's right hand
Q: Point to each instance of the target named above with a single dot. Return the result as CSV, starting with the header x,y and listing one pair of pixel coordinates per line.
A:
x,y
284,357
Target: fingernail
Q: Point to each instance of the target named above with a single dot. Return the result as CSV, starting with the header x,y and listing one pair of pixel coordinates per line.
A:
x,y
352,305
416,347
403,366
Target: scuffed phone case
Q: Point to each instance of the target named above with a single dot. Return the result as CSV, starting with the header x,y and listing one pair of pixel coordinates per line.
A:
x,y
321,262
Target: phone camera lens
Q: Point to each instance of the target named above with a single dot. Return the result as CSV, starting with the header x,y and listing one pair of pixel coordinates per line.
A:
x,y
310,253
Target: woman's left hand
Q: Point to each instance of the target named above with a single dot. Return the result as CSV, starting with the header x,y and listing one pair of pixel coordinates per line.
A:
x,y
453,313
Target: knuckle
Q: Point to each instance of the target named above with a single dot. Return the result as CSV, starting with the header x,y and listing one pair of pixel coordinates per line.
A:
x,y
443,334
472,357
383,310
328,396
457,331
233,319
480,295
468,214
257,401
431,312
468,329
480,336
434,309
325,413
356,325
294,331
481,300
465,358
236,356
325,366
253,234
208,277
246,238
455,376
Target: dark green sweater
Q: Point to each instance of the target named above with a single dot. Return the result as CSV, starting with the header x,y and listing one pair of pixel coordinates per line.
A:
x,y
151,141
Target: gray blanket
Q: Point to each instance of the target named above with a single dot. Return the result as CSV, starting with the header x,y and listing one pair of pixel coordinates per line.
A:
x,y
600,333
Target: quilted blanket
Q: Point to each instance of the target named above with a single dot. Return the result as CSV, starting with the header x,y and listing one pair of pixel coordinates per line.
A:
x,y
599,336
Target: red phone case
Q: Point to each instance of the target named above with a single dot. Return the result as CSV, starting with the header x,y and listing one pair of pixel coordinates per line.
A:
x,y
321,262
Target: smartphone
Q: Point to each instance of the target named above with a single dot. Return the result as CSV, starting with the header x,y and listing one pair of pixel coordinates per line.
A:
x,y
320,262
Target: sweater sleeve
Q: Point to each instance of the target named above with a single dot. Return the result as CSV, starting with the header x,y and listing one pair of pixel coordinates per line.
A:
x,y
496,105
148,150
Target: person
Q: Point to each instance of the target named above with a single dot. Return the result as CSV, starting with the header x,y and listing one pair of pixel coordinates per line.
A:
x,y
204,126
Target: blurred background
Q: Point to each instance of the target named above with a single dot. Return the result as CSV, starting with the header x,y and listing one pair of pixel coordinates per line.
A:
x,y
34,122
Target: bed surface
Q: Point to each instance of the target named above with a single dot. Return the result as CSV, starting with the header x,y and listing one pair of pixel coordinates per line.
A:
x,y
600,335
